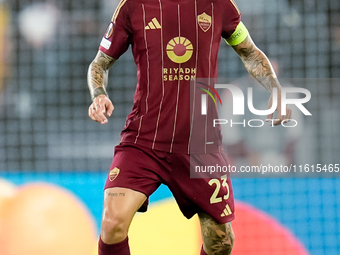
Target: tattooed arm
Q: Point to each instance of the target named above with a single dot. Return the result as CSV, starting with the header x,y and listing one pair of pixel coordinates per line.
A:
x,y
258,65
98,74
97,77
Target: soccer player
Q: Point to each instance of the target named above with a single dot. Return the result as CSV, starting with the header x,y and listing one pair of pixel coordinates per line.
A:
x,y
173,43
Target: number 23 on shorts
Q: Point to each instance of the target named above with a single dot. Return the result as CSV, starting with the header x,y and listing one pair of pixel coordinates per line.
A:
x,y
214,199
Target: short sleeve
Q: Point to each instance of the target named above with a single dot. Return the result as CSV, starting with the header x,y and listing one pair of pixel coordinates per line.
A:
x,y
116,39
231,17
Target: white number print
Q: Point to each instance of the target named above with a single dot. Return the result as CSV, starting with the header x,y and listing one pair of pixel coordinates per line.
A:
x,y
214,199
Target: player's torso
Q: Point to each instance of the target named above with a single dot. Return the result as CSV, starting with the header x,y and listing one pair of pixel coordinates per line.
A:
x,y
174,42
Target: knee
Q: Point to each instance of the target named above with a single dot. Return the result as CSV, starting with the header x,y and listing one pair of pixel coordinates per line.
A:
x,y
220,246
114,229
220,243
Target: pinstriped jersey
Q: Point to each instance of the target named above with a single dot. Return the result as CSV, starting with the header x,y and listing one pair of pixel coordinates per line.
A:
x,y
174,42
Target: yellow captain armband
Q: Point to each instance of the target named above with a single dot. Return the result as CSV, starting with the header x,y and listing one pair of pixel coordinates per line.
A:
x,y
239,35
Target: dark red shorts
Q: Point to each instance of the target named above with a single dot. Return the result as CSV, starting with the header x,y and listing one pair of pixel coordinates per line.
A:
x,y
143,169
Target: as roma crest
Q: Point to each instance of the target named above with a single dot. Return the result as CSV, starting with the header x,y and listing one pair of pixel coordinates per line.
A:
x,y
113,174
204,21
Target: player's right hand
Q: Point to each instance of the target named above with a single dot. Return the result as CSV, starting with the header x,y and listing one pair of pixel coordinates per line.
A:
x,y
100,106
280,117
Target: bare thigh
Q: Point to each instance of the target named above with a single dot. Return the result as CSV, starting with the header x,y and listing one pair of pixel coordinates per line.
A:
x,y
120,205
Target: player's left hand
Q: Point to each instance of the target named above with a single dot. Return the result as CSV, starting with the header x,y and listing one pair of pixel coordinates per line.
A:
x,y
101,105
280,117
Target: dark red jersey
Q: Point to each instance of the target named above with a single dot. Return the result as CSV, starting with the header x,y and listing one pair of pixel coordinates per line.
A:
x,y
173,43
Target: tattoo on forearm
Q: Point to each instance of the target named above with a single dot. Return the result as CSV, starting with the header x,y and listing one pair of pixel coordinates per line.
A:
x,y
218,238
257,64
97,75
98,71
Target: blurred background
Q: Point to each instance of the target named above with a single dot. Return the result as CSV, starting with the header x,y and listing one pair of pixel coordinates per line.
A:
x,y
47,137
